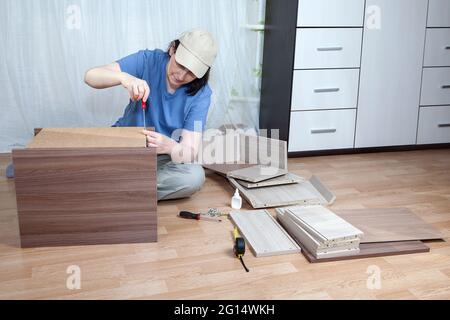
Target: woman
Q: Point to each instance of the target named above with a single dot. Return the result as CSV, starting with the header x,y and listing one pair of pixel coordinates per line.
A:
x,y
174,86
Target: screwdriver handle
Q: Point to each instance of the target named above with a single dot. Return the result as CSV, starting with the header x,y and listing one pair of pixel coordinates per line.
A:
x,y
144,105
189,215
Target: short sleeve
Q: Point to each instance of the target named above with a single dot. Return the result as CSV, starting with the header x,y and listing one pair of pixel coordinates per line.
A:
x,y
196,118
134,64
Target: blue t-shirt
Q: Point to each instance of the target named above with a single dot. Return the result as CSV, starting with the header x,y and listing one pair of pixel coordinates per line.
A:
x,y
165,112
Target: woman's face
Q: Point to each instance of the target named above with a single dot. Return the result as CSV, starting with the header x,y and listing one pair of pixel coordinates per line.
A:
x,y
178,75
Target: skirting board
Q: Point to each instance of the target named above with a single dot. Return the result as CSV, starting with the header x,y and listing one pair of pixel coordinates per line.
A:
x,y
308,192
263,233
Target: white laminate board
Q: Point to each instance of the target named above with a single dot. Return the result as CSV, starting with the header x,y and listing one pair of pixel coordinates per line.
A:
x,y
257,173
311,191
262,150
306,241
325,222
322,244
264,235
391,70
288,178
296,231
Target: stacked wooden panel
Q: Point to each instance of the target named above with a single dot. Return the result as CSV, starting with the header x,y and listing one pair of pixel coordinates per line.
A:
x,y
323,233
305,192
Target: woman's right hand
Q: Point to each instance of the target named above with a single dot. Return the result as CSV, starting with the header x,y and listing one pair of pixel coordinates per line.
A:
x,y
138,89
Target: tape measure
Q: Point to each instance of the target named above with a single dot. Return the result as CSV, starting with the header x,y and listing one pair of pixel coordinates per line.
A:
x,y
239,247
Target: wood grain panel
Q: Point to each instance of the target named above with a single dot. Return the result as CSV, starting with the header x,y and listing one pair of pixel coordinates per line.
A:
x,y
288,178
265,236
88,138
256,173
371,250
389,224
86,196
419,180
308,192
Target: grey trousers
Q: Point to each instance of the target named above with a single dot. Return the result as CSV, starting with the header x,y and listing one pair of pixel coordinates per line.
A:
x,y
176,181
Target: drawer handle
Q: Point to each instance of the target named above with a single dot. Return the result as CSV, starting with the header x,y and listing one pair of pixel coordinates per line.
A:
x,y
326,90
447,48
330,49
446,86
323,131
444,125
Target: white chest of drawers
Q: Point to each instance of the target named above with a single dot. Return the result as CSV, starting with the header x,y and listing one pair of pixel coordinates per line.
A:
x,y
353,74
326,74
434,113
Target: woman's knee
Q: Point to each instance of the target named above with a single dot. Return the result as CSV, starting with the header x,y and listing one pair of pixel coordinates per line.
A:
x,y
180,181
194,178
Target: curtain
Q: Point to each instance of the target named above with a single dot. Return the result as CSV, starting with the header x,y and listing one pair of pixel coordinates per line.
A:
x,y
46,47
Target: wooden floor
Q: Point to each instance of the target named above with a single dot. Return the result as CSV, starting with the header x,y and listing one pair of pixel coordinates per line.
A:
x,y
194,260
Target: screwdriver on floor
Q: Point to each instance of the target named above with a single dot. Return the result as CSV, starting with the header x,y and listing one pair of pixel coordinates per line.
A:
x,y
197,216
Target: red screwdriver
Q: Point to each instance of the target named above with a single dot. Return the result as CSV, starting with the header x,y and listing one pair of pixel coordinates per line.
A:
x,y
144,106
197,216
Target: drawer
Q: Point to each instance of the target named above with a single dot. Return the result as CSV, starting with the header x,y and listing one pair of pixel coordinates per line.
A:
x,y
435,86
328,48
325,89
434,125
321,130
439,13
437,48
330,13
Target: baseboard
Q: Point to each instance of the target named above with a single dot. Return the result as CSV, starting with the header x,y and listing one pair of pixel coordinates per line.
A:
x,y
367,150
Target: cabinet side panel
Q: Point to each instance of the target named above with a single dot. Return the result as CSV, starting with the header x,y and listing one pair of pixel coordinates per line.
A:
x,y
391,69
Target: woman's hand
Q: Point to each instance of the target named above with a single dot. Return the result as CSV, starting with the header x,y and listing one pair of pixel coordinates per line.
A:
x,y
163,144
137,89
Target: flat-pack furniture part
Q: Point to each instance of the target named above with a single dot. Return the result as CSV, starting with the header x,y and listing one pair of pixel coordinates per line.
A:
x,y
389,224
320,231
86,186
257,173
263,233
288,178
244,151
387,231
309,192
323,224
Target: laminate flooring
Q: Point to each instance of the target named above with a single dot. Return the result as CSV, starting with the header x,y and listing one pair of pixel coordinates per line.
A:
x,y
418,180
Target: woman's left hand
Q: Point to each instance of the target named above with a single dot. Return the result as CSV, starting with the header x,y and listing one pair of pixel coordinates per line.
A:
x,y
157,140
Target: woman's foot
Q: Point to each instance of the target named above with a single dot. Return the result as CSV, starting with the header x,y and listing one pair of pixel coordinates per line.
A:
x,y
10,171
